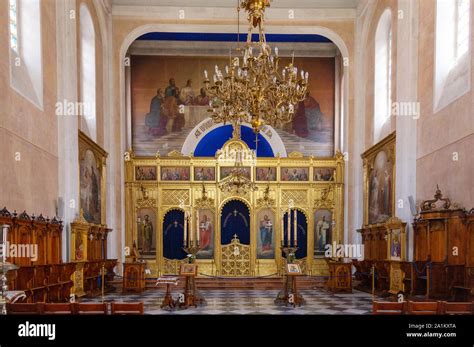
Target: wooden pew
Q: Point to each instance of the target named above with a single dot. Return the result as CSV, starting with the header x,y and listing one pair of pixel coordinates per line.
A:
x,y
91,308
58,309
388,308
24,309
457,307
127,308
424,307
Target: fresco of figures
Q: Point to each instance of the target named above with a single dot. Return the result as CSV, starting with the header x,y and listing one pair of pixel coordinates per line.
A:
x,y
175,173
206,234
294,174
322,231
266,173
168,101
266,234
204,173
380,189
145,173
90,188
146,227
324,174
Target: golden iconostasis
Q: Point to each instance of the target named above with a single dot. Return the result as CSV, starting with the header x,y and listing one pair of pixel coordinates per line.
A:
x,y
161,190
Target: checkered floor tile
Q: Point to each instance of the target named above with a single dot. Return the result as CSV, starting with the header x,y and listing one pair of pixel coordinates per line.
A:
x,y
241,302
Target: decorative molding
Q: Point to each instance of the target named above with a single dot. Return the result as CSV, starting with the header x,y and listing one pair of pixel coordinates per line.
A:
x,y
295,155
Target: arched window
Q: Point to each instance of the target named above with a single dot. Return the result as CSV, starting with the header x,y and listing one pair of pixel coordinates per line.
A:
x,y
26,67
383,76
452,67
13,14
87,74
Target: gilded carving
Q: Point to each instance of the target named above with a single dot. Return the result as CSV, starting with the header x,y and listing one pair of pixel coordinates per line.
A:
x,y
194,194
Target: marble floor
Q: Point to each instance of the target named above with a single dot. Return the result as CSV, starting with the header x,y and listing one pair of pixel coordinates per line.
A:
x,y
243,302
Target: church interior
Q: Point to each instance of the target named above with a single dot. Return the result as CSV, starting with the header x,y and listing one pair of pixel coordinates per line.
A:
x,y
234,157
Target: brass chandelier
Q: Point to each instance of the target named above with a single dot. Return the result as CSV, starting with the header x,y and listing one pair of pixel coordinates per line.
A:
x,y
253,89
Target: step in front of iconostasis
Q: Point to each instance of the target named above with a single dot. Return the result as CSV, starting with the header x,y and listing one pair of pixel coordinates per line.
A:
x,y
304,282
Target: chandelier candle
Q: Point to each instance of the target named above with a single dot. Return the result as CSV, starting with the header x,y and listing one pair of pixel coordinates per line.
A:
x,y
255,92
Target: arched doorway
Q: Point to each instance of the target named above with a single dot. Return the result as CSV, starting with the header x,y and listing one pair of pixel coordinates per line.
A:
x,y
173,235
235,239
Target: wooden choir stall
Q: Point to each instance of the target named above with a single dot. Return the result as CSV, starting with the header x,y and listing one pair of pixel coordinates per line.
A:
x,y
443,247
36,241
443,258
89,254
41,273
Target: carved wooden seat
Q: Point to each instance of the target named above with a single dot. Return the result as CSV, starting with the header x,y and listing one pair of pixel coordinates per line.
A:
x,y
127,308
388,308
58,308
424,308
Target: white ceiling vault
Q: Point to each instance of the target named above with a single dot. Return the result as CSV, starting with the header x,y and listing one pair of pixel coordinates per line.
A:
x,y
292,4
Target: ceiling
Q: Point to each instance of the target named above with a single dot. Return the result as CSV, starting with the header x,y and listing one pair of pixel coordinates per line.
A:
x,y
294,4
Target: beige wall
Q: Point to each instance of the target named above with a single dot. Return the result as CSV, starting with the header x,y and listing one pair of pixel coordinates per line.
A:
x,y
361,130
31,183
447,131
438,135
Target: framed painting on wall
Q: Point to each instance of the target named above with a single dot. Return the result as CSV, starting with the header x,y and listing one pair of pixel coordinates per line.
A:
x,y
92,160
204,173
266,234
294,174
379,181
146,226
206,218
179,173
323,225
266,174
396,232
325,174
145,173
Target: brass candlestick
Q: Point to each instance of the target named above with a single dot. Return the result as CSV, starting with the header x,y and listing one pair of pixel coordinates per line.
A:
x,y
289,253
191,250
